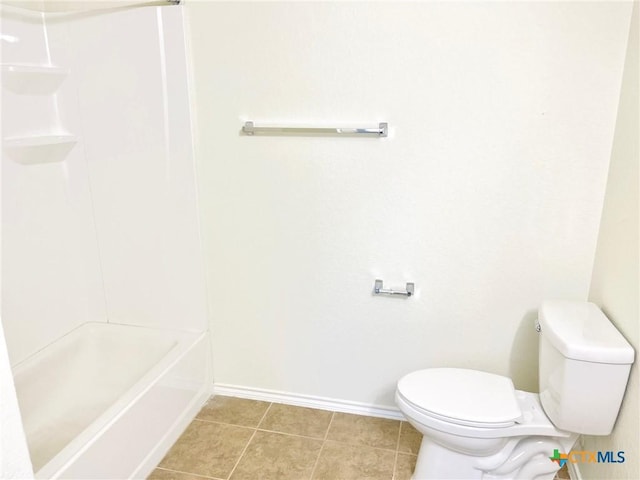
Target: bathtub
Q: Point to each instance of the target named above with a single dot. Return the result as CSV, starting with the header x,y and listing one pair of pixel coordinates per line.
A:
x,y
108,401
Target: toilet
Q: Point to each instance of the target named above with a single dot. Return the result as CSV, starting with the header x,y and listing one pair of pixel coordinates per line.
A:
x,y
476,425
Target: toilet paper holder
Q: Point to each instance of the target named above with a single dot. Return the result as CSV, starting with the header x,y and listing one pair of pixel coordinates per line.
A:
x,y
379,290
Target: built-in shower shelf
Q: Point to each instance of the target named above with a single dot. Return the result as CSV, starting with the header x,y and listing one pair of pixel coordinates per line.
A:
x,y
32,79
38,140
25,69
34,149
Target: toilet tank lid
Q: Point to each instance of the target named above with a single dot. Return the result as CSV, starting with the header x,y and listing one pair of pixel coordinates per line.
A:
x,y
581,331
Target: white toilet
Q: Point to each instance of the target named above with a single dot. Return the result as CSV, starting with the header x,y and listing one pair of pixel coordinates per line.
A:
x,y
475,425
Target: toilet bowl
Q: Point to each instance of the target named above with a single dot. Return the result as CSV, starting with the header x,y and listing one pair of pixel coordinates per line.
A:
x,y
476,425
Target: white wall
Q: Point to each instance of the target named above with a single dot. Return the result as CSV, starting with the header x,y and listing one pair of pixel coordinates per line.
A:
x,y
615,284
487,193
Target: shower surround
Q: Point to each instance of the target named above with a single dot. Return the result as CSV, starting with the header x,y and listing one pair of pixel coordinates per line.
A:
x,y
104,305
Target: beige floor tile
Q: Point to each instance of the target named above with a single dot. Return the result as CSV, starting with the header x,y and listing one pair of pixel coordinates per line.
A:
x,y
563,473
410,439
361,430
274,456
351,462
235,411
209,449
296,420
405,464
160,474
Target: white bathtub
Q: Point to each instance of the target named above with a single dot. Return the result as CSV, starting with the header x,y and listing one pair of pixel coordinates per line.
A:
x,y
107,400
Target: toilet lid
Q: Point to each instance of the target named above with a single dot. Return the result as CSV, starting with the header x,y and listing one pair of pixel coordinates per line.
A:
x,y
461,396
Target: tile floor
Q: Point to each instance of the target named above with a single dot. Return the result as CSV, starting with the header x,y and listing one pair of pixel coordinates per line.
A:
x,y
233,438
563,474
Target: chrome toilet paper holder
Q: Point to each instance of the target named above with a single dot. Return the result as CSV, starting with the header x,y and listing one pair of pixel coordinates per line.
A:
x,y
378,289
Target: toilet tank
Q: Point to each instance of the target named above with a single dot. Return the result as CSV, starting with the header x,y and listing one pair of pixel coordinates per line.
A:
x,y
584,367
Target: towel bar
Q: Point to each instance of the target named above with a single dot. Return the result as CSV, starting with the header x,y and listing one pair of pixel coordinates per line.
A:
x,y
380,131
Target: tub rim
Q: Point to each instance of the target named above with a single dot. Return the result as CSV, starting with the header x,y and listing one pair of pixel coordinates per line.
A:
x,y
184,342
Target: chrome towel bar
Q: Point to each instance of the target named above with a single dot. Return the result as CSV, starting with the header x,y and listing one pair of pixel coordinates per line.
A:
x,y
380,131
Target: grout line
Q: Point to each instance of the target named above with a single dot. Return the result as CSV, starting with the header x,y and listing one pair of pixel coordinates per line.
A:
x,y
244,450
324,441
186,473
242,454
326,434
223,423
260,429
264,415
395,464
395,459
363,445
289,434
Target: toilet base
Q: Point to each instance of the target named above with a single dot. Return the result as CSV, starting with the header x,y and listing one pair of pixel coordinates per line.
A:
x,y
436,462
521,458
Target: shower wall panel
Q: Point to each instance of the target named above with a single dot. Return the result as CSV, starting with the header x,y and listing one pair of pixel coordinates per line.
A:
x,y
50,272
99,209
133,102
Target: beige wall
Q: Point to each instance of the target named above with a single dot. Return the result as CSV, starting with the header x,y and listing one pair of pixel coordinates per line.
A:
x,y
615,284
487,193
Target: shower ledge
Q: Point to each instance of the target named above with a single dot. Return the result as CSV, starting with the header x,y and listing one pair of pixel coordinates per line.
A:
x,y
34,149
38,140
32,79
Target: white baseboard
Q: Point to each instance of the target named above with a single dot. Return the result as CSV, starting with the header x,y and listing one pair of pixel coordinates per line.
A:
x,y
321,403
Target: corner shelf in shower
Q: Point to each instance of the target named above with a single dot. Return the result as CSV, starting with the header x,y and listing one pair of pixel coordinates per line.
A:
x,y
32,79
38,140
34,149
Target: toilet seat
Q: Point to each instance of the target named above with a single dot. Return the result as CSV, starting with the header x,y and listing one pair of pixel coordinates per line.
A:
x,y
461,396
532,419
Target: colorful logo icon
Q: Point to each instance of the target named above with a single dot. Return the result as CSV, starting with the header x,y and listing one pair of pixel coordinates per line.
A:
x,y
559,458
